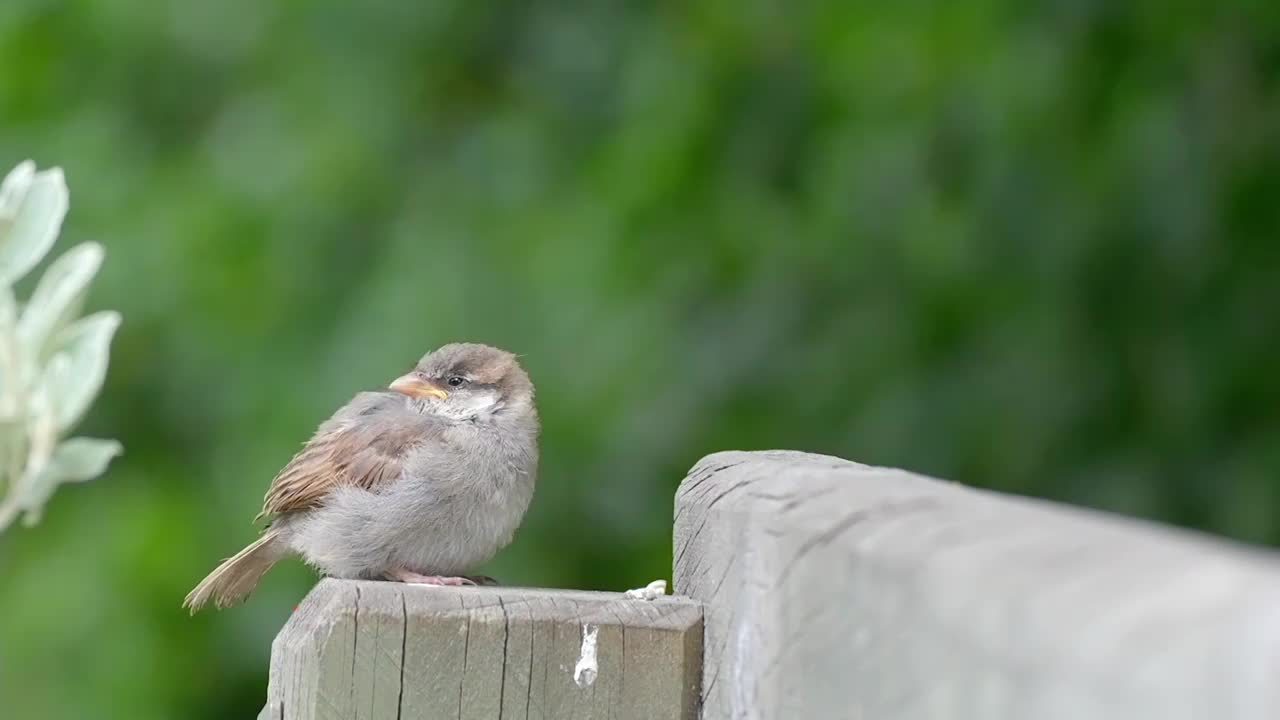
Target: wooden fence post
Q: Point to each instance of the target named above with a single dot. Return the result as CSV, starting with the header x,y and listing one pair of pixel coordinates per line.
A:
x,y
838,590
375,650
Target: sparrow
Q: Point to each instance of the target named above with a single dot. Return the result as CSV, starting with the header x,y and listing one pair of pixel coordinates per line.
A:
x,y
415,483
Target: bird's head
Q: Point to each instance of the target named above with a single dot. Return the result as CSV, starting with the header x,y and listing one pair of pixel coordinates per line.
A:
x,y
467,381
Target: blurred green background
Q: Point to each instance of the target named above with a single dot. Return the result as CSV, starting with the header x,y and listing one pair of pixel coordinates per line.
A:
x,y
1029,246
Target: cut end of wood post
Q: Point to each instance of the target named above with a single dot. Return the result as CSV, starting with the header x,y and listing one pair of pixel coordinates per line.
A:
x,y
372,650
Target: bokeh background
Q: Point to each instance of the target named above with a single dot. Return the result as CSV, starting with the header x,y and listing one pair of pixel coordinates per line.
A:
x,y
1028,246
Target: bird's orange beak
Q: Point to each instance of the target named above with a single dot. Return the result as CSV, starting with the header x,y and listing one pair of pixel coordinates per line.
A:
x,y
414,386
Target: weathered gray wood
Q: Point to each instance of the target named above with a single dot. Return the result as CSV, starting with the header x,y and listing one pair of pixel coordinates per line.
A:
x,y
838,590
374,650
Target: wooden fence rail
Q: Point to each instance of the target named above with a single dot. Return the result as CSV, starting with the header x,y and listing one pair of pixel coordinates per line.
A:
x,y
837,590
813,587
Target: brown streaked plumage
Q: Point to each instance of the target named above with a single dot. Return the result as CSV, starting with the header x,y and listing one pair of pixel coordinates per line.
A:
x,y
365,457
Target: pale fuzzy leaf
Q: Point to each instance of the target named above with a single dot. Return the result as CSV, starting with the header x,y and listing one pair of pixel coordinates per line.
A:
x,y
82,458
75,460
57,298
42,443
34,227
8,353
32,515
79,365
8,309
14,189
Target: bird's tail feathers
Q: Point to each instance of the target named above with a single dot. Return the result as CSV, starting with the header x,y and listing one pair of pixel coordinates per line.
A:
x,y
238,575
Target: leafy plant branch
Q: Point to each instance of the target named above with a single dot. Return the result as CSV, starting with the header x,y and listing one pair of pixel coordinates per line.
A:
x,y
52,362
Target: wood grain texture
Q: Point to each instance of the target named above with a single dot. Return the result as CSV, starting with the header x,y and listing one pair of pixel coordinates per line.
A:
x,y
838,590
379,650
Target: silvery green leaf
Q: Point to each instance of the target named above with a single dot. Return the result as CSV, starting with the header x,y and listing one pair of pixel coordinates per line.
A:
x,y
76,460
14,189
9,358
82,458
8,313
57,298
8,308
42,444
78,366
34,226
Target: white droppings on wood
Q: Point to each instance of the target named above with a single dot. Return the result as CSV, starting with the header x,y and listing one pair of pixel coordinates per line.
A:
x,y
584,673
652,591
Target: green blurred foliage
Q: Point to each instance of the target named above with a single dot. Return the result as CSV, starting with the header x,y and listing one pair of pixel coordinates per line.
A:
x,y
1029,246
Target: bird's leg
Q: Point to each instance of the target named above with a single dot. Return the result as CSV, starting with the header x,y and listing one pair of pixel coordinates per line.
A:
x,y
413,578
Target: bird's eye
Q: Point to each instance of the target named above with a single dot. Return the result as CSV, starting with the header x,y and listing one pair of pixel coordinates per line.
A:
x,y
456,381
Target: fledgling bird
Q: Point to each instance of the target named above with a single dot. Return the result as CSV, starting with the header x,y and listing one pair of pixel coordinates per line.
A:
x,y
416,483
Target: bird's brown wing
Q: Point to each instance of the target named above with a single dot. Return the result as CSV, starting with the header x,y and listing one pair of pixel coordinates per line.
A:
x,y
367,455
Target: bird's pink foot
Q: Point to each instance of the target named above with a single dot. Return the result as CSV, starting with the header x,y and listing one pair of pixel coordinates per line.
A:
x,y
413,578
